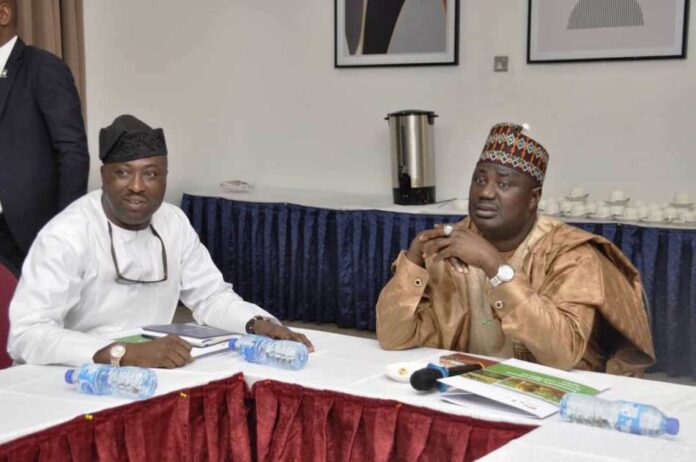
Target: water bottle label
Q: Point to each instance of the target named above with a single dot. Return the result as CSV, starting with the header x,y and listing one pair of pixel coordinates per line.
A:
x,y
280,353
629,418
88,378
248,347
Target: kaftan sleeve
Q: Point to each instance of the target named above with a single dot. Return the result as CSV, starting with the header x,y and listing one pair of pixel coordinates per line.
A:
x,y
405,318
212,300
555,321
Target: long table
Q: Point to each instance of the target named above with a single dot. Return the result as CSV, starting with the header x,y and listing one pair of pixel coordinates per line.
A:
x,y
328,261
341,406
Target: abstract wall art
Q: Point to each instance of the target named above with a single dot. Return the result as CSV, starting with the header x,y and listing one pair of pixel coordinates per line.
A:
x,y
593,30
371,33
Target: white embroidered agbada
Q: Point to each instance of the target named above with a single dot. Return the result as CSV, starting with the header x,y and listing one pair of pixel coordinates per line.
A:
x,y
68,304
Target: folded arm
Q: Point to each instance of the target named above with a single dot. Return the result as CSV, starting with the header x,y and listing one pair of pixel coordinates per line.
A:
x,y
50,286
214,302
554,322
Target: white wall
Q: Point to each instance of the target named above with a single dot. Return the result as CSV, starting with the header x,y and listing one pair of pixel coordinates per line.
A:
x,y
246,89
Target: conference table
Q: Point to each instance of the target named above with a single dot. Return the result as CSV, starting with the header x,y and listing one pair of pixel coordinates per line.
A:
x,y
341,406
324,257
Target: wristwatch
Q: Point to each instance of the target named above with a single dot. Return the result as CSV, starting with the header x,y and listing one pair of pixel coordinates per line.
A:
x,y
505,274
116,353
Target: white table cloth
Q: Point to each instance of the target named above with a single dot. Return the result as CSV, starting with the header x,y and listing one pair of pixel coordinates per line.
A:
x,y
33,398
357,201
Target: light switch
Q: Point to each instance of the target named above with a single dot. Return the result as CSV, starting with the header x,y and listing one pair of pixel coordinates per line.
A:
x,y
500,64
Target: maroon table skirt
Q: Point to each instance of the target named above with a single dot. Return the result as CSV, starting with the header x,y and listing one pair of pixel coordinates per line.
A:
x,y
296,423
223,421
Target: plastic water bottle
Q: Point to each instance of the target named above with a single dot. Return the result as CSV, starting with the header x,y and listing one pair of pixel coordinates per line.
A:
x,y
102,379
285,354
625,416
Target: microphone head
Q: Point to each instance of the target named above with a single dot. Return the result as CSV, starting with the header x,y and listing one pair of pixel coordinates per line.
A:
x,y
425,379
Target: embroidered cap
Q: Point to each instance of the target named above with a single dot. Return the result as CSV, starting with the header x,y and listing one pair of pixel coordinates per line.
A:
x,y
507,145
128,138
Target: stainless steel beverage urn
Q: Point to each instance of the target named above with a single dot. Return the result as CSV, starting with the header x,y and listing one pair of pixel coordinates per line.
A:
x,y
412,156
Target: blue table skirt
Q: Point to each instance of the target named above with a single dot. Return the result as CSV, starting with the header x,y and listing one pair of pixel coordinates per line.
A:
x,y
322,265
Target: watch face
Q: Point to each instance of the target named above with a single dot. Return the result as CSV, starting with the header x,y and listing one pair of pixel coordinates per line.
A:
x,y
117,351
506,273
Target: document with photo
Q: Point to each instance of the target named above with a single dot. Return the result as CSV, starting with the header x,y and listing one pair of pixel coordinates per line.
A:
x,y
532,388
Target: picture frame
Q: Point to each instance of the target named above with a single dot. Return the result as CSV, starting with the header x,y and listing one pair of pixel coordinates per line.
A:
x,y
561,31
378,33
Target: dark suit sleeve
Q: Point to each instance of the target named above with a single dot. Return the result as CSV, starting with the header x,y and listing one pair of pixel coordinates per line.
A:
x,y
60,106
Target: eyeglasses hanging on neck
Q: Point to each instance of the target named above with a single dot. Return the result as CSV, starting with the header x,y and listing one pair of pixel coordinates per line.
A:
x,y
124,280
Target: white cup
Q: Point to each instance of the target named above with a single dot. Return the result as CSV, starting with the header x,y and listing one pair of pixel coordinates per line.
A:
x,y
552,208
656,216
682,198
670,213
578,210
617,195
630,213
577,193
682,215
460,204
603,211
655,206
643,212
566,207
617,210
591,207
690,216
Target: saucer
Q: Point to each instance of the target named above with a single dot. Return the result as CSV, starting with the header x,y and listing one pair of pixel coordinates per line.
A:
x,y
621,202
236,186
678,205
578,198
401,372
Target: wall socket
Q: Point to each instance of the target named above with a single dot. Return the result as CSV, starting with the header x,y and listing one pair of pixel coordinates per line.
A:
x,y
500,64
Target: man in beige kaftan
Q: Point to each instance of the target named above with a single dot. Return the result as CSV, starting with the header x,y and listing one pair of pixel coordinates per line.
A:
x,y
508,283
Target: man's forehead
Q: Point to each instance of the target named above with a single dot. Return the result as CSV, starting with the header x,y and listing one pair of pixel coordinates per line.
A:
x,y
156,161
500,170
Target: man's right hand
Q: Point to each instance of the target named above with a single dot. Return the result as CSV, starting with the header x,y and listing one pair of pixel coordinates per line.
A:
x,y
167,352
415,251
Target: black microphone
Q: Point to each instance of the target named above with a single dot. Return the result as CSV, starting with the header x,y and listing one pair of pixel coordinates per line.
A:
x,y
426,379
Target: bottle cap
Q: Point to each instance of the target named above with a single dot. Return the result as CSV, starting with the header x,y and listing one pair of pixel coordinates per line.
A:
x,y
70,372
232,344
672,426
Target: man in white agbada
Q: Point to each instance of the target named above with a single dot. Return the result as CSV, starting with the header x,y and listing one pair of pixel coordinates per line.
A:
x,y
117,259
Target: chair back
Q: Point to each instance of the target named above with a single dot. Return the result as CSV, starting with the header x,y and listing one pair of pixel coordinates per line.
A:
x,y
8,282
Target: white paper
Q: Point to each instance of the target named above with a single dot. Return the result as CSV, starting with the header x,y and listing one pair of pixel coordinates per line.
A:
x,y
531,405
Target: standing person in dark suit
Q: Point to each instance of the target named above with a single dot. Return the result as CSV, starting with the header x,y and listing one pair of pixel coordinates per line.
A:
x,y
44,161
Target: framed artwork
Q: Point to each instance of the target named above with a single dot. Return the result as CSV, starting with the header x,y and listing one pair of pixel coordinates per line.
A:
x,y
369,33
600,30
